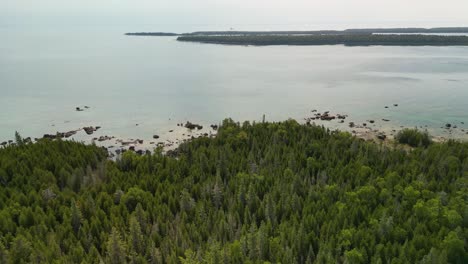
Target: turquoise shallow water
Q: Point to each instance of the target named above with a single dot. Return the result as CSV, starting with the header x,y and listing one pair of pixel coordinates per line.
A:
x,y
157,82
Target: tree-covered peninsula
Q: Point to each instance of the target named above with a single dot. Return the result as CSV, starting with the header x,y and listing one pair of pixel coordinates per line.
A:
x,y
331,39
255,193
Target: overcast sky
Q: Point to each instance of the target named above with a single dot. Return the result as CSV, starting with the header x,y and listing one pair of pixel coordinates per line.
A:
x,y
180,15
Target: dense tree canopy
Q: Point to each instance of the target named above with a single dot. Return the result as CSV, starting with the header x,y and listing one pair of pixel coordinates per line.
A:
x,y
256,193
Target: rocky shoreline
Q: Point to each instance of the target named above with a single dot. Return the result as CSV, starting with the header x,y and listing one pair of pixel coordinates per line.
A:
x,y
378,130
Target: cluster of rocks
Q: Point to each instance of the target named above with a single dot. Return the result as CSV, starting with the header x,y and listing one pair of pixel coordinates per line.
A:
x,y
79,109
192,126
60,135
450,127
90,130
103,138
326,116
131,142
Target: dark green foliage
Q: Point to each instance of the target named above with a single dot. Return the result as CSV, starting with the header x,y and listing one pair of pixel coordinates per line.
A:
x,y
413,137
269,192
331,39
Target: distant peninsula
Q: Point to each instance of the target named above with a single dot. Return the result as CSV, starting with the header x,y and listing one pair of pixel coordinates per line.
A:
x,y
347,40
441,36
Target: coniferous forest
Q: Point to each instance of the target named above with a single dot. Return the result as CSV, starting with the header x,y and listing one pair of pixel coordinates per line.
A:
x,y
255,193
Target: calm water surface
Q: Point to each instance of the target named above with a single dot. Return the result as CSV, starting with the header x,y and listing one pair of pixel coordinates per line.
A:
x,y
157,82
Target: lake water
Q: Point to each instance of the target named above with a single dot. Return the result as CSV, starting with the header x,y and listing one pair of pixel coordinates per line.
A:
x,y
157,82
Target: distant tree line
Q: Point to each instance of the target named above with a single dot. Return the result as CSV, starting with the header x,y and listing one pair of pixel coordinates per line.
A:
x,y
356,31
348,40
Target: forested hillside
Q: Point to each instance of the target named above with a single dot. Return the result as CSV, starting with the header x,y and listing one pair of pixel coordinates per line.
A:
x,y
256,193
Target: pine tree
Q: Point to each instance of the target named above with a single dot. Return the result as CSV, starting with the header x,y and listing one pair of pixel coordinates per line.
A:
x,y
136,237
75,217
116,252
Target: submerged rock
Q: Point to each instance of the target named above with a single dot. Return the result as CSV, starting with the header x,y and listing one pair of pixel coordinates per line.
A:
x,y
104,138
155,136
327,117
